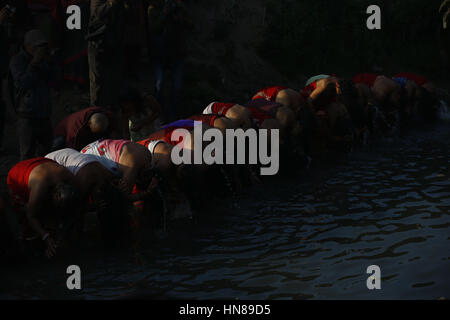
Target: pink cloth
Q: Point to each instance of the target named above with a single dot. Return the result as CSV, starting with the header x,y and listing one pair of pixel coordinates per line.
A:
x,y
108,148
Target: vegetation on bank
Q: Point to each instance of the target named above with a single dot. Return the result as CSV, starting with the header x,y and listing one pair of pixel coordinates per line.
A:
x,y
324,36
240,46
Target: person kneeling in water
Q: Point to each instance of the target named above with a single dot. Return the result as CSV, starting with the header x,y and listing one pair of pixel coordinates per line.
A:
x,y
273,115
215,121
388,97
355,100
135,167
334,124
422,95
96,177
236,112
283,95
134,162
46,194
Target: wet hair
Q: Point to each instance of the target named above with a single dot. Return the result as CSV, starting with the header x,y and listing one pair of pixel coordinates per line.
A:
x,y
65,196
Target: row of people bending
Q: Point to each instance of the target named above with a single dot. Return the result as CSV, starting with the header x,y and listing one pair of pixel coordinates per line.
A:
x,y
118,179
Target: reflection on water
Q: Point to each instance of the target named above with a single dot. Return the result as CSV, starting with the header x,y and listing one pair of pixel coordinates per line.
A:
x,y
312,236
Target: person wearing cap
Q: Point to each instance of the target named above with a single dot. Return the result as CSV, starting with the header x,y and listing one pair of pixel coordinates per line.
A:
x,y
168,26
31,70
105,48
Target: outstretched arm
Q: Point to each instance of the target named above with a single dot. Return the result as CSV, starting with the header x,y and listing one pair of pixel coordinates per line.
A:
x,y
38,196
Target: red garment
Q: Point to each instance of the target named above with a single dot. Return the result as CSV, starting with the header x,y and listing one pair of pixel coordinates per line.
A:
x,y
366,78
145,142
267,107
137,204
166,135
259,116
18,177
262,109
75,127
222,108
413,77
269,93
206,118
306,91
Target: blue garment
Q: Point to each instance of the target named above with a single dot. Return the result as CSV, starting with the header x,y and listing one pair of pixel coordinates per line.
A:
x,y
400,81
32,84
181,123
316,78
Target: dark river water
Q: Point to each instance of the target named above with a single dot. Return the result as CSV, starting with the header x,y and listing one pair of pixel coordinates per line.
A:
x,y
310,236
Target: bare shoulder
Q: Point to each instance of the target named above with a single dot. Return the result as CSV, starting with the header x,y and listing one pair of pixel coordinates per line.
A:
x,y
136,153
44,174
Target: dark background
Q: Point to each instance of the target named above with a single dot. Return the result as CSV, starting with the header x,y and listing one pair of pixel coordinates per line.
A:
x,y
332,35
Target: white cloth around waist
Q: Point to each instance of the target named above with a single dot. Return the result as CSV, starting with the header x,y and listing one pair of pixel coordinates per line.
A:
x,y
74,160
208,109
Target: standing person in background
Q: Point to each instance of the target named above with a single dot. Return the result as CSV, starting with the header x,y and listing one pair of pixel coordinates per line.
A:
x,y
14,19
140,114
168,24
31,70
135,29
105,39
74,47
45,16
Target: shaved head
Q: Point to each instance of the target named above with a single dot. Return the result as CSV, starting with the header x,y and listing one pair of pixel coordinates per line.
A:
x,y
98,123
